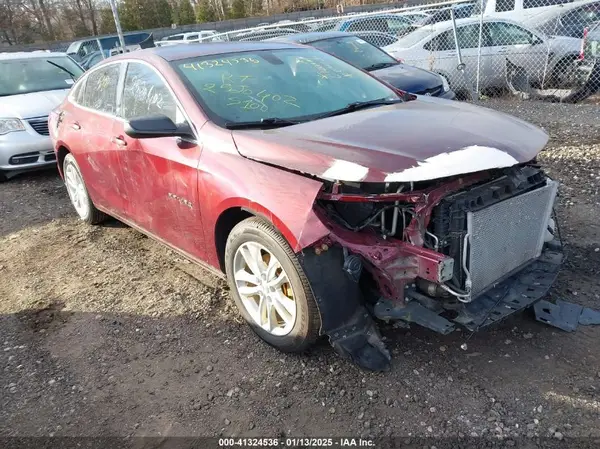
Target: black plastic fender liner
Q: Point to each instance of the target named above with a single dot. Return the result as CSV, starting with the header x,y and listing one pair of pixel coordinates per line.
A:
x,y
344,317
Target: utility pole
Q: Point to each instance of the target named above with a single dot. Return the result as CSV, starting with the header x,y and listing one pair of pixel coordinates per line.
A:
x,y
113,6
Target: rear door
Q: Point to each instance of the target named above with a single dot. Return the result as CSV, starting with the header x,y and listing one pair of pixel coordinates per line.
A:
x,y
519,46
89,123
161,174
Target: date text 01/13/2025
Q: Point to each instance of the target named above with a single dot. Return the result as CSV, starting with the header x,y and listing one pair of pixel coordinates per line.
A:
x,y
299,442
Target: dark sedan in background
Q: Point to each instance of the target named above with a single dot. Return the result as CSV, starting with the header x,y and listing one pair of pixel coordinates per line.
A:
x,y
362,54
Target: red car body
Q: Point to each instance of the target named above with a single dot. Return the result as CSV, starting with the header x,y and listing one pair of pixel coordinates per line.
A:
x,y
189,195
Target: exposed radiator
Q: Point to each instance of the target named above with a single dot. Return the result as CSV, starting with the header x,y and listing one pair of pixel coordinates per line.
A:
x,y
508,234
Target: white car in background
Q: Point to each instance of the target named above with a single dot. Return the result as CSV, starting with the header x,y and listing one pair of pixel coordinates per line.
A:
x,y
545,59
187,38
31,85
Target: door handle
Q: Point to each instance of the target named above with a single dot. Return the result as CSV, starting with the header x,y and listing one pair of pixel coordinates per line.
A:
x,y
119,141
76,126
503,50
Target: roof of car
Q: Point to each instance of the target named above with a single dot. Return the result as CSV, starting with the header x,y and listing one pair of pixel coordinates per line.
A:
x,y
369,16
29,55
305,38
467,21
177,52
125,33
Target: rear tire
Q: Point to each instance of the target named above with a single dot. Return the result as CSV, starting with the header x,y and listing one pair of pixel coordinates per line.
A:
x,y
78,194
285,316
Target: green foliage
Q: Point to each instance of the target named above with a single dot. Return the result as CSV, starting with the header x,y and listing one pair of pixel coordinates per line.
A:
x,y
185,13
205,12
144,14
107,22
238,9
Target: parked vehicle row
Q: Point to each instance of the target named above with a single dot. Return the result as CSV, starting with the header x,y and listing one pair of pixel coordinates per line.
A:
x,y
434,48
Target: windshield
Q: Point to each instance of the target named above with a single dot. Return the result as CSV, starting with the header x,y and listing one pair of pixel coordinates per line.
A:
x,y
21,76
290,84
357,52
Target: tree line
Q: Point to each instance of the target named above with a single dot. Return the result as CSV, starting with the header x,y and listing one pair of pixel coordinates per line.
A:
x,y
28,21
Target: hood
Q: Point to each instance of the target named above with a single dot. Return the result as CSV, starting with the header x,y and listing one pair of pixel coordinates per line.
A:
x,y
35,104
408,78
418,140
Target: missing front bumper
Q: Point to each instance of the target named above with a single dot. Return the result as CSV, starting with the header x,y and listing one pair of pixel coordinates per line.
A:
x,y
514,294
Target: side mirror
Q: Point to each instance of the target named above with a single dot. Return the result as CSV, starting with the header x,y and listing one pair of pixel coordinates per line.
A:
x,y
156,126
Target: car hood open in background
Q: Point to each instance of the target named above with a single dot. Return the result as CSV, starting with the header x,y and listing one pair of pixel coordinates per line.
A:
x,y
408,78
413,141
34,104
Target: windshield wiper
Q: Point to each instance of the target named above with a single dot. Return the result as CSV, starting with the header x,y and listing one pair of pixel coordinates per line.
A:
x,y
352,107
380,65
273,122
71,74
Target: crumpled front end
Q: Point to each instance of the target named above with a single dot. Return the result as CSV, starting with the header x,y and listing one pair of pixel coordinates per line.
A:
x,y
466,250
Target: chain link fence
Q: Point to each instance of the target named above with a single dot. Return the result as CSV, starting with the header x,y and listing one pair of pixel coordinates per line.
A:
x,y
526,48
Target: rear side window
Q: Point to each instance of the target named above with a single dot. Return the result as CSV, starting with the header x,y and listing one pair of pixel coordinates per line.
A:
x,y
146,94
101,89
78,91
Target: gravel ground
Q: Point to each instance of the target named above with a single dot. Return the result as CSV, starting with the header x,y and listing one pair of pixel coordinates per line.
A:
x,y
105,332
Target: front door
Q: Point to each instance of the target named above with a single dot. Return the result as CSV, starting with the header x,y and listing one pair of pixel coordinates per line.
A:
x,y
161,173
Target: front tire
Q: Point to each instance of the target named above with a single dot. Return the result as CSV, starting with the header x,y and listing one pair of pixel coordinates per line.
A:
x,y
269,286
78,194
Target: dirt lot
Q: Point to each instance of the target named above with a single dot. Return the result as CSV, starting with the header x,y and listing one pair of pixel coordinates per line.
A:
x,y
105,332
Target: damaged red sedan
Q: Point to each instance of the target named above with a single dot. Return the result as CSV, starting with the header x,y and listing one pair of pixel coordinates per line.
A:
x,y
329,199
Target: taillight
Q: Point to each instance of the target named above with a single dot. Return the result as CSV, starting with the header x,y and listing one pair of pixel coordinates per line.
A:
x,y
583,42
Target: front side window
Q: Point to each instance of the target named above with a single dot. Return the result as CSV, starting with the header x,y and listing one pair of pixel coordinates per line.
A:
x,y
356,51
101,89
23,76
291,84
145,94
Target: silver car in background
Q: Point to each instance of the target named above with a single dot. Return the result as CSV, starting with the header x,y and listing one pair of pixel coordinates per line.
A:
x,y
31,85
545,59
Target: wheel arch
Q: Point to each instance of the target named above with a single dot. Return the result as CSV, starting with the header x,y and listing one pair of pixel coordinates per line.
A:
x,y
234,214
61,154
